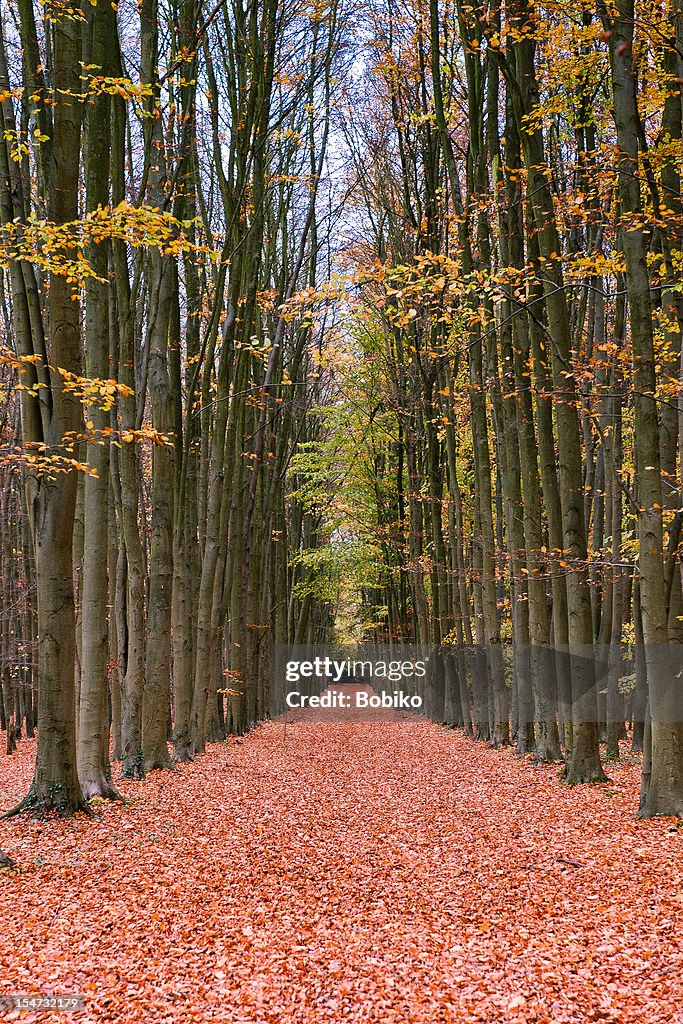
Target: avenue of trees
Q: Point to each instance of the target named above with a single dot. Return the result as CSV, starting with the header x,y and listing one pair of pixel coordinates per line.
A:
x,y
320,313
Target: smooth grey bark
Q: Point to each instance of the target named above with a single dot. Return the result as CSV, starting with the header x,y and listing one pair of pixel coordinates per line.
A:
x,y
584,763
94,768
662,784
52,502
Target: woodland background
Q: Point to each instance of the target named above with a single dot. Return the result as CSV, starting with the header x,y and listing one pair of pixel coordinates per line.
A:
x,y
336,319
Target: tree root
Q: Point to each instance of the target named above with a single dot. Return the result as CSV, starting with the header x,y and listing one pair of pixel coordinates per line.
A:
x,y
37,807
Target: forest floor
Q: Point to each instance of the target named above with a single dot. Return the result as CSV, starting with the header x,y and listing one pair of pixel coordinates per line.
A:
x,y
348,872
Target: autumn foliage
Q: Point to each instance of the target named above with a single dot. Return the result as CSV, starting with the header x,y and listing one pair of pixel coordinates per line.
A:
x,y
374,872
329,323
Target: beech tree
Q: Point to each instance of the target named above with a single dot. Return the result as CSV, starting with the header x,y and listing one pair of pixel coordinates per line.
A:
x,y
47,337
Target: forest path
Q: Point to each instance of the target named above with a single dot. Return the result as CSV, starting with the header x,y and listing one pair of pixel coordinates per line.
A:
x,y
369,872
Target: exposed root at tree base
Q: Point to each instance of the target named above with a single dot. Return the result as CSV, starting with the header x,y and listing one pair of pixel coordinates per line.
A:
x,y
160,764
182,757
34,807
583,776
102,789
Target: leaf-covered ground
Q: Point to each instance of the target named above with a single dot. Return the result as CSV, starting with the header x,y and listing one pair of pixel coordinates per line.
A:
x,y
369,872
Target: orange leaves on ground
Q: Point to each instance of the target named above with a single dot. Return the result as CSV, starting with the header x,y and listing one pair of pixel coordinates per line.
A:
x,y
371,872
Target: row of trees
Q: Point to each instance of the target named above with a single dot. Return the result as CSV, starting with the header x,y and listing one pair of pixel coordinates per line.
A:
x,y
163,201
515,404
